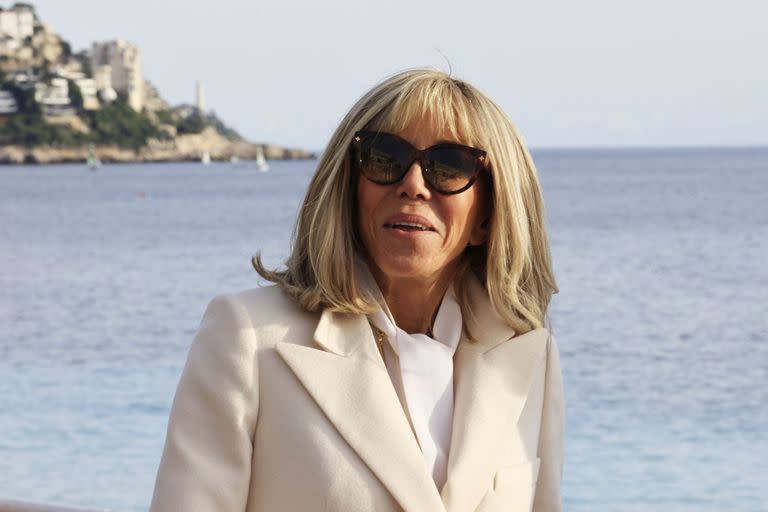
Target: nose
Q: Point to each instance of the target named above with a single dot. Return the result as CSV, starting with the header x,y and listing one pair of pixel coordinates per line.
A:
x,y
413,184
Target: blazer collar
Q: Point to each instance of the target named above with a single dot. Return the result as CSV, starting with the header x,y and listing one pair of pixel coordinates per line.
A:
x,y
342,334
349,381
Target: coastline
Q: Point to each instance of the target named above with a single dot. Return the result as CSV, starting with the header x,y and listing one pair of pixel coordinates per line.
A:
x,y
182,148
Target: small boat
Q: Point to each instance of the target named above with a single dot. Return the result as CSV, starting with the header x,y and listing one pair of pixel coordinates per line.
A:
x,y
261,162
92,160
205,158
234,160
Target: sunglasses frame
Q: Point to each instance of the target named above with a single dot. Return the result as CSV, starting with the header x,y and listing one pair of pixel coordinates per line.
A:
x,y
415,154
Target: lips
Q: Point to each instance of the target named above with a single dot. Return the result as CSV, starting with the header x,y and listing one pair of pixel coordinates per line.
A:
x,y
407,222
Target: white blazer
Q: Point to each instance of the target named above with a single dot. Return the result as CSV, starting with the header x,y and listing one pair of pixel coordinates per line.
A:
x,y
283,410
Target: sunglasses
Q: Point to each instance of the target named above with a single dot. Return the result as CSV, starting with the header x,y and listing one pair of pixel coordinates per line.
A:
x,y
384,159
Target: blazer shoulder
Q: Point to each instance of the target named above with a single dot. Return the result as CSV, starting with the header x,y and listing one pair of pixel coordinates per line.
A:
x,y
263,308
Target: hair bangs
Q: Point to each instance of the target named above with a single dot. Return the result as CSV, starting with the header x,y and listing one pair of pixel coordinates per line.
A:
x,y
445,102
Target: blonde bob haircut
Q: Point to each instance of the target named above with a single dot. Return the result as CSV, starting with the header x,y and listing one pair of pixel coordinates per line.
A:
x,y
514,264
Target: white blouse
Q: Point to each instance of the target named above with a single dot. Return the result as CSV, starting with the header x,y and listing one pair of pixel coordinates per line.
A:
x,y
423,365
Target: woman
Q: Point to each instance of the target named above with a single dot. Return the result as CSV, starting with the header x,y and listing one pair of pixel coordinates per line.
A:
x,y
401,363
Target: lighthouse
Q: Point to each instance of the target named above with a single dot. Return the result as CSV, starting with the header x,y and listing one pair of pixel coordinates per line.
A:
x,y
200,98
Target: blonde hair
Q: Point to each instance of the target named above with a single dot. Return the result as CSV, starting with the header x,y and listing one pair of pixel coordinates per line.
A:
x,y
514,264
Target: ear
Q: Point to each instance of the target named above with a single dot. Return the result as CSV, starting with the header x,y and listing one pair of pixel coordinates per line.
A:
x,y
480,232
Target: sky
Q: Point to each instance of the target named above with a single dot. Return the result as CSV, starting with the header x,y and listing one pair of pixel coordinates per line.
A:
x,y
570,74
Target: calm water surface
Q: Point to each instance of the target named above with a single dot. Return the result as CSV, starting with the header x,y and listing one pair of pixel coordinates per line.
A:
x,y
661,256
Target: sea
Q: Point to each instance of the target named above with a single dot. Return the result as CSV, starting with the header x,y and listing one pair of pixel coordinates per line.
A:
x,y
661,257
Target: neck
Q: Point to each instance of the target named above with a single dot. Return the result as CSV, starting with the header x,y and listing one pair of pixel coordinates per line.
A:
x,y
412,302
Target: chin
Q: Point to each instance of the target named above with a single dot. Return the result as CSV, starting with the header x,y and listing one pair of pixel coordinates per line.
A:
x,y
406,267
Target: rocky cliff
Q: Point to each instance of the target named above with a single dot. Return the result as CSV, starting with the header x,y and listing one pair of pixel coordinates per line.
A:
x,y
181,148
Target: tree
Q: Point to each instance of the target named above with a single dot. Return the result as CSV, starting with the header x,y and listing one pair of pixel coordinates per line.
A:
x,y
117,123
195,123
66,50
26,5
25,99
75,96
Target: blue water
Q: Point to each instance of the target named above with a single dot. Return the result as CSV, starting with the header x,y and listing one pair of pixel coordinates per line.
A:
x,y
661,256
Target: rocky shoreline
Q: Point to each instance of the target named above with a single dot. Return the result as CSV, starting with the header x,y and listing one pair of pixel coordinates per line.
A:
x,y
180,149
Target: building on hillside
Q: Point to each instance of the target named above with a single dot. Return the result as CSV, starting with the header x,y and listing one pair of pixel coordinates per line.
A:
x,y
17,22
118,63
89,93
8,104
87,86
24,79
8,46
102,75
71,68
53,98
26,42
50,46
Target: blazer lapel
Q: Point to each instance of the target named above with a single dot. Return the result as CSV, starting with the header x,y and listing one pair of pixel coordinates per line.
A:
x,y
350,383
492,376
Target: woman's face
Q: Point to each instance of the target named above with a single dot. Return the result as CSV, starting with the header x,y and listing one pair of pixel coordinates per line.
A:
x,y
397,250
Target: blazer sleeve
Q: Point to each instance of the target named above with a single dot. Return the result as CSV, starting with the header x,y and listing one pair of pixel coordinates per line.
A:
x,y
206,462
548,497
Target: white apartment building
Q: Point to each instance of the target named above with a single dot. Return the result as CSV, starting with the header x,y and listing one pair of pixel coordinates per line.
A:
x,y
54,98
24,80
8,103
102,75
89,92
17,22
117,65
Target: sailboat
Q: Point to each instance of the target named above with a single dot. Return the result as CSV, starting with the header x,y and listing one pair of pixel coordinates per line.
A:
x,y
205,158
91,159
261,162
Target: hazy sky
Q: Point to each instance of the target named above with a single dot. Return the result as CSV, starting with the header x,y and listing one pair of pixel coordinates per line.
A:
x,y
578,73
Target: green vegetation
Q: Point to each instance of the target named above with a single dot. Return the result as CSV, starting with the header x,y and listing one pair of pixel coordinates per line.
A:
x,y
66,50
75,96
29,129
191,124
116,123
25,4
119,124
222,128
195,123
24,98
166,117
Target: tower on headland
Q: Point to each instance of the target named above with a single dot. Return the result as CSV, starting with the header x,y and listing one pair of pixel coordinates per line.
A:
x,y
200,98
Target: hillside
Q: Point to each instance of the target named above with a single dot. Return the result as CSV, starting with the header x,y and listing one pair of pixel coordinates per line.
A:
x,y
57,104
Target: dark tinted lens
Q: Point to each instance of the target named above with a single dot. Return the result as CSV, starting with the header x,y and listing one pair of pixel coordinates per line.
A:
x,y
451,169
383,158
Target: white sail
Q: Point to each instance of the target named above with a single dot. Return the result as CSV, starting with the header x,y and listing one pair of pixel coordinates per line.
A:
x,y
261,162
